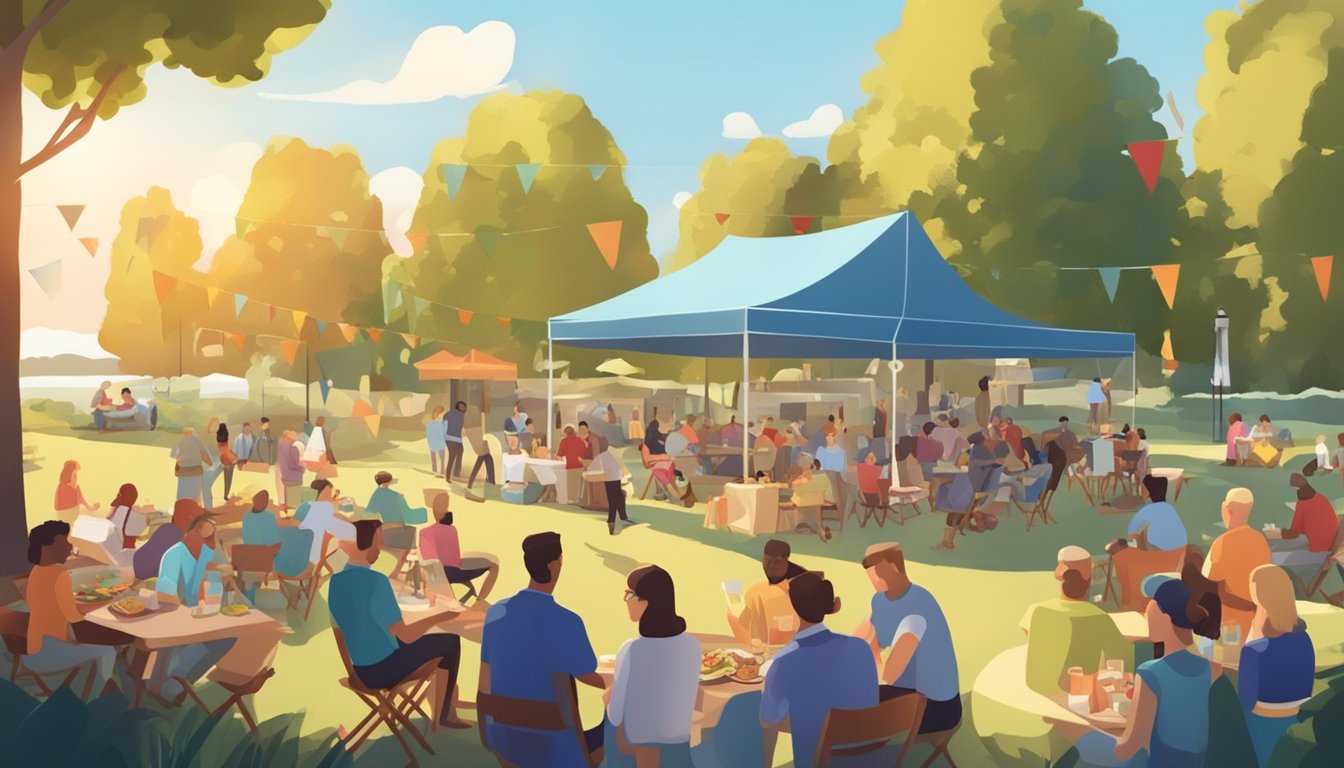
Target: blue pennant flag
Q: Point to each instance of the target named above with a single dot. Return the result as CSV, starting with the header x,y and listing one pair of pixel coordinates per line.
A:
x,y
1110,278
527,173
321,327
597,169
453,174
994,273
325,386
239,301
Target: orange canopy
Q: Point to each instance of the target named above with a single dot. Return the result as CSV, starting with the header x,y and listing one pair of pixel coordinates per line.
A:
x,y
473,366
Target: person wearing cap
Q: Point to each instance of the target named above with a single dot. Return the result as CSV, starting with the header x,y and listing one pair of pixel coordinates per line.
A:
x,y
1170,715
399,518
1315,521
767,602
1234,555
185,568
818,672
1070,631
907,619
323,520
1278,664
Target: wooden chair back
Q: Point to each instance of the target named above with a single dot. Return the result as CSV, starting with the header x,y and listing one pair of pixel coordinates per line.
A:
x,y
561,714
859,731
254,558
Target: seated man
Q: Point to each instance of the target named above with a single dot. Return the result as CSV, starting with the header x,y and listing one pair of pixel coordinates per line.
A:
x,y
1011,433
323,520
186,568
148,557
440,542
1314,520
399,518
906,618
259,524
1070,631
766,604
949,437
811,490
874,487
52,612
573,449
818,672
384,649
928,451
1233,556
1156,528
529,638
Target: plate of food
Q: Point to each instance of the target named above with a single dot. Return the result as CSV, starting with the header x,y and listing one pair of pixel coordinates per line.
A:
x,y
716,664
234,609
748,672
128,608
100,593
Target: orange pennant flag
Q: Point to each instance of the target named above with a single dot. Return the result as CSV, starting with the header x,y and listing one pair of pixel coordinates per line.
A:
x,y
417,240
348,331
1166,276
607,237
90,244
361,408
290,349
721,217
503,321
375,334
299,317
411,340
373,421
464,316
163,285
239,339
1323,265
211,293
800,224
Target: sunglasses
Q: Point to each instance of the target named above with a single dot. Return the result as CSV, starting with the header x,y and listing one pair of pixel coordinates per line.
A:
x,y
630,595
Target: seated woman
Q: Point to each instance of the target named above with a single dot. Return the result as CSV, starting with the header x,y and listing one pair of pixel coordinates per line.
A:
x,y
810,491
665,473
1265,447
1277,665
127,517
1238,442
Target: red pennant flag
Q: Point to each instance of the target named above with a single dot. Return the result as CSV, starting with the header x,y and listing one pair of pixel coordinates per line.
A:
x,y
800,224
1166,276
270,312
607,237
721,217
163,285
1322,265
90,244
290,349
503,321
1147,157
411,340
375,334
239,339
464,316
417,240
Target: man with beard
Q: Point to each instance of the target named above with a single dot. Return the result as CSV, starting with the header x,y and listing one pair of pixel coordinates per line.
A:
x,y
767,602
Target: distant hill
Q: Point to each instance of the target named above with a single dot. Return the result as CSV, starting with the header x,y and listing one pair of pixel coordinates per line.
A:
x,y
67,365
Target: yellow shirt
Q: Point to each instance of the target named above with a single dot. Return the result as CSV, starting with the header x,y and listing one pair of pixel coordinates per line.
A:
x,y
1070,633
51,605
1231,559
764,603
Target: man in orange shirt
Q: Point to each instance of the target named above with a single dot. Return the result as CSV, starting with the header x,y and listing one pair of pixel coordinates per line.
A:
x,y
1233,556
52,611
766,608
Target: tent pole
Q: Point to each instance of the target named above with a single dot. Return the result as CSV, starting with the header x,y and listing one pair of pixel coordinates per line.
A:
x,y
550,391
1134,384
706,414
746,400
895,472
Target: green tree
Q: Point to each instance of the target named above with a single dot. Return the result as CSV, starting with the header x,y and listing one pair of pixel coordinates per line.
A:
x,y
1302,220
497,251
91,57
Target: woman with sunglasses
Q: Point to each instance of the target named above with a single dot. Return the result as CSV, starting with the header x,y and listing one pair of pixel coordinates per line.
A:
x,y
657,676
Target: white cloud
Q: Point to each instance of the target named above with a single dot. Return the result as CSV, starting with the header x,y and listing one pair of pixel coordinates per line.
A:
x,y
443,61
740,125
680,199
823,122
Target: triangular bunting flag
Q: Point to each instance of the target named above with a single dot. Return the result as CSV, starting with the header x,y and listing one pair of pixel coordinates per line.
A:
x,y
375,334
71,214
453,174
1110,278
299,318
373,421
597,169
464,316
242,226
163,285
800,224
994,273
503,321
325,386
211,293
607,237
527,173
90,244
419,305
411,340
721,217
270,313
360,409
339,236
1147,156
142,232
290,349
321,327
1166,276
48,277
488,239
1322,265
239,301
348,331
417,240
239,339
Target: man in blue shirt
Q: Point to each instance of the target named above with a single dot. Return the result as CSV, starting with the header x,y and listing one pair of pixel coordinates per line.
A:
x,y
452,433
833,460
399,516
185,567
1156,528
817,672
528,639
383,648
907,619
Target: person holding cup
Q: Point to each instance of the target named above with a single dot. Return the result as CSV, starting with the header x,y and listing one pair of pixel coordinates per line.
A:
x,y
186,568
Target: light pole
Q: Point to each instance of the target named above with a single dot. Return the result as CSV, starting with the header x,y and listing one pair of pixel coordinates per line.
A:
x,y
1222,374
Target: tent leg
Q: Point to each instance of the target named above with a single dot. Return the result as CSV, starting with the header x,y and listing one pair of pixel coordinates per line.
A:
x,y
746,399
550,391
1134,385
895,465
706,414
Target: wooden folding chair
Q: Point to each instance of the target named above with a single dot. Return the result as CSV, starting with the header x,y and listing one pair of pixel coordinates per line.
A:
x,y
254,559
872,508
236,691
392,706
648,464
910,492
940,741
307,579
1041,510
1311,586
14,631
558,716
847,732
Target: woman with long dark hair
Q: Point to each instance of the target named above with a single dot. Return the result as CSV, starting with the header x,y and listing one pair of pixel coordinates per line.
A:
x,y
128,518
657,675
227,458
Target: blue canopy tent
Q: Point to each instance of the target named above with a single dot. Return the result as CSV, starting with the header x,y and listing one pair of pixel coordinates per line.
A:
x,y
870,290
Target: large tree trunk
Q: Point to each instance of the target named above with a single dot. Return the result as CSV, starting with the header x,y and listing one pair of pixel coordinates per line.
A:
x,y
13,511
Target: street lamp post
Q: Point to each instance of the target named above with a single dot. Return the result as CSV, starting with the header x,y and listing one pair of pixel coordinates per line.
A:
x,y
1222,374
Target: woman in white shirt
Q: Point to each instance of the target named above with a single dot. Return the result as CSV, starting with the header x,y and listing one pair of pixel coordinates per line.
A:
x,y
127,518
657,675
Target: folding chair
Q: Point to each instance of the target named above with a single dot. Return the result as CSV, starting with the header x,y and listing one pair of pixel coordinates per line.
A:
x,y
836,510
847,732
653,478
236,691
292,567
389,706
558,716
1058,464
912,490
14,630
1311,586
254,559
940,741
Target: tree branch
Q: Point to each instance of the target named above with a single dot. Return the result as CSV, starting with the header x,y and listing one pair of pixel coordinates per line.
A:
x,y
29,32
81,118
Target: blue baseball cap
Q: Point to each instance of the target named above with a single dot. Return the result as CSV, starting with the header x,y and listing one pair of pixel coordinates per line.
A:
x,y
1171,596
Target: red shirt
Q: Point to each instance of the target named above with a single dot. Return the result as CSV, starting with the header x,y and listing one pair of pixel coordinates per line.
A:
x,y
572,448
1315,518
1012,434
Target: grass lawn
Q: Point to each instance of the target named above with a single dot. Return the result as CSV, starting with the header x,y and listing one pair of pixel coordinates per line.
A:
x,y
984,586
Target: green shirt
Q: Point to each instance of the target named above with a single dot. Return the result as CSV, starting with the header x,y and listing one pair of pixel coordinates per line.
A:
x,y
1070,633
392,508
